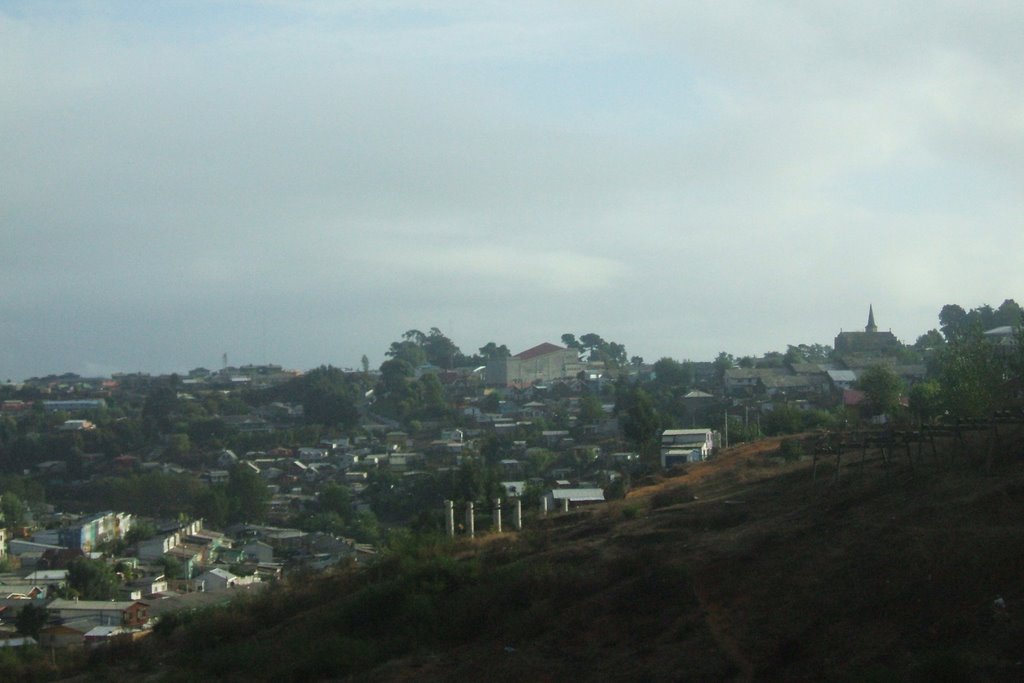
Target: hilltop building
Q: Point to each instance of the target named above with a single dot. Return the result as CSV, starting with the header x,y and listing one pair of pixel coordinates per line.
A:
x,y
870,341
542,363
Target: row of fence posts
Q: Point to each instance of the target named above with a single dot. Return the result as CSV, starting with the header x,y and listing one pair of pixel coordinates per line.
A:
x,y
517,515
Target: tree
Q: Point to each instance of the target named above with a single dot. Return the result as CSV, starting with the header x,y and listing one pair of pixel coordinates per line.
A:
x,y
160,403
591,410
337,499
882,387
440,350
926,401
178,446
952,320
212,505
491,351
173,569
724,361
640,422
92,579
12,509
248,496
672,373
406,351
970,376
932,339
431,403
1009,313
30,620
328,396
808,353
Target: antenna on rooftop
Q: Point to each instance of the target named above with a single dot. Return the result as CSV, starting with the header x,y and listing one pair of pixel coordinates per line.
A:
x,y
224,360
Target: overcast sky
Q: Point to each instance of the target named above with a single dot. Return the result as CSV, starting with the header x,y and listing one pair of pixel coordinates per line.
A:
x,y
301,182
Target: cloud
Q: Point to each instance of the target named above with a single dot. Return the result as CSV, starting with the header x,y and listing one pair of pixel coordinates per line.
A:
x,y
307,180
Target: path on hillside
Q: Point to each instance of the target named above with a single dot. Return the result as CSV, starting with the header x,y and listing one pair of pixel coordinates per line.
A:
x,y
717,623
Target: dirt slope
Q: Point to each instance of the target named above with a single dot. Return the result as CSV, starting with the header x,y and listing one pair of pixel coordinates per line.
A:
x,y
747,569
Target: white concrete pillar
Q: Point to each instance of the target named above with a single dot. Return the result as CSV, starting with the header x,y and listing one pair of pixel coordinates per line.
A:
x,y
565,505
449,518
497,515
470,521
517,515
544,506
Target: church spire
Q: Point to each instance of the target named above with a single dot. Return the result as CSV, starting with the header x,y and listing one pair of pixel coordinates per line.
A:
x,y
871,327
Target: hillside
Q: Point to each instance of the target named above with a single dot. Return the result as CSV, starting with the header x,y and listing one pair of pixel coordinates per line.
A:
x,y
742,568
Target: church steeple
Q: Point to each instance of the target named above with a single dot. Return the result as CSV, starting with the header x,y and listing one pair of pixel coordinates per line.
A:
x,y
871,326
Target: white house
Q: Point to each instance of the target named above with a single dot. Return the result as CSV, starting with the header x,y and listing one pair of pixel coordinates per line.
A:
x,y
216,580
557,499
686,445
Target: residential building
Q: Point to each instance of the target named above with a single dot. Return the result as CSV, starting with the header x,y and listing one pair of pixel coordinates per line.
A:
x,y
90,532
686,445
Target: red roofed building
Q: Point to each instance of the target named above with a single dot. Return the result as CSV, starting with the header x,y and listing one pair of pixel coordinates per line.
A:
x,y
542,363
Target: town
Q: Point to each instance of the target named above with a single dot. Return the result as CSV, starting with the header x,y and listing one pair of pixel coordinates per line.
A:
x,y
131,497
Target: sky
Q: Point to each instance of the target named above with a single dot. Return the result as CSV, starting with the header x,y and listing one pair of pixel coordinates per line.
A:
x,y
301,182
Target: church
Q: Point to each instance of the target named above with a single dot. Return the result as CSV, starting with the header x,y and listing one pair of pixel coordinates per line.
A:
x,y
870,341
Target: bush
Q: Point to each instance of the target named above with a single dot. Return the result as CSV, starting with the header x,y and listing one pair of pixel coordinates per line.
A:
x,y
791,449
671,496
630,512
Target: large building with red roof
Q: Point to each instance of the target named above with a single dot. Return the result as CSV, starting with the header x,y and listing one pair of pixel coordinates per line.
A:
x,y
542,363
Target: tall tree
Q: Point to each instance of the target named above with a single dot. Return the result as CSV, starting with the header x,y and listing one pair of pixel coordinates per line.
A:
x,y
248,496
491,351
970,376
30,620
952,321
639,420
882,388
92,579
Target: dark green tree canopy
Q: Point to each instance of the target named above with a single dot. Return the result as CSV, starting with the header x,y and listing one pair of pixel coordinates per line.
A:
x,y
92,579
882,388
417,348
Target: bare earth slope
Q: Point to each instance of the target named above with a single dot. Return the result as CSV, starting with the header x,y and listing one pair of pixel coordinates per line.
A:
x,y
746,569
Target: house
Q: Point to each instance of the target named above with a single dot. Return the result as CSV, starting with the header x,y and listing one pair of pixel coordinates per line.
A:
x,y
128,613
65,634
842,379
560,499
312,454
514,489
396,441
157,547
217,580
215,477
258,552
553,438
101,635
403,462
685,445
76,426
743,380
18,642
74,406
